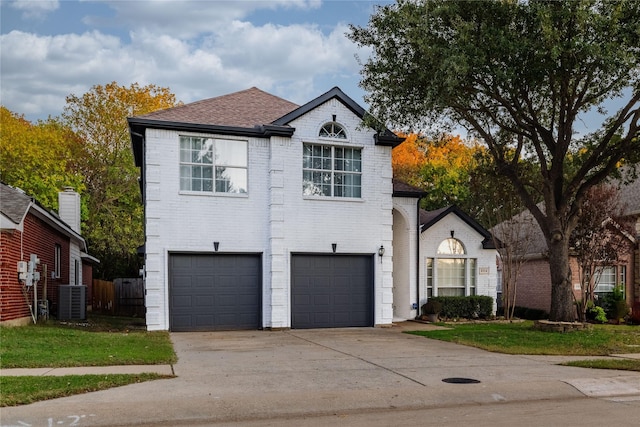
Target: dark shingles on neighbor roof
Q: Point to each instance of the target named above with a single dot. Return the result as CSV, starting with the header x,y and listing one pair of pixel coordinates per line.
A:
x,y
630,197
14,203
246,109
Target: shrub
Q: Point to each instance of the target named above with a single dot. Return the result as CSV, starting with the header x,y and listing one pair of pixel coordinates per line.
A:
x,y
614,304
635,313
471,307
596,314
431,307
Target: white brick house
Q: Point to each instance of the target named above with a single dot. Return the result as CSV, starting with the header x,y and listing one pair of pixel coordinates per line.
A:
x,y
456,256
263,214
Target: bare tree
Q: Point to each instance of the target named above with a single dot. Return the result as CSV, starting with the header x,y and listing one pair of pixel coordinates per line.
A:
x,y
513,238
600,239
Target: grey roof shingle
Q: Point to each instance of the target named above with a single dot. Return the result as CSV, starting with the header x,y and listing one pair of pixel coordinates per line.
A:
x,y
14,203
630,197
247,108
402,189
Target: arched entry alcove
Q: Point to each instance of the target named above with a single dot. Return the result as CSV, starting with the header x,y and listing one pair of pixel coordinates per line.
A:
x,y
401,267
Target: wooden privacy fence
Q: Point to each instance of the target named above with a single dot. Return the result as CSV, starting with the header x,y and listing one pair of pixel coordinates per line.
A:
x,y
122,297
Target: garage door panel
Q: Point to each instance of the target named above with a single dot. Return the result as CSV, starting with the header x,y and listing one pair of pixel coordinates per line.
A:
x,y
211,292
331,291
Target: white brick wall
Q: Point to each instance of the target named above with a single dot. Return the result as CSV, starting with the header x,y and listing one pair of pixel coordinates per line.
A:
x,y
273,219
472,241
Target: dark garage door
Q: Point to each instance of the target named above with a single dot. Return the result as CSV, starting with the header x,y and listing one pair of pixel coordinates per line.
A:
x,y
331,291
215,292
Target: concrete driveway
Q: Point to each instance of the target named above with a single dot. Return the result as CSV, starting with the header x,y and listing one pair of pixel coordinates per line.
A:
x,y
262,375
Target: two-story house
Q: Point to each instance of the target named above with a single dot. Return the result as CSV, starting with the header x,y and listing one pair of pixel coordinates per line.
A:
x,y
260,213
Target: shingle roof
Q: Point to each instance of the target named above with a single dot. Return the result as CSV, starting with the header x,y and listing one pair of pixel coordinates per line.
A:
x,y
247,108
402,189
630,197
13,203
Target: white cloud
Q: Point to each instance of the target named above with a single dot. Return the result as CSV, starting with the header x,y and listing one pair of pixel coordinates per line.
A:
x,y
189,19
35,9
295,62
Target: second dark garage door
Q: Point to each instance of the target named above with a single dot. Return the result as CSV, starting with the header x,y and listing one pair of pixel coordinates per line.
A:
x,y
331,291
215,292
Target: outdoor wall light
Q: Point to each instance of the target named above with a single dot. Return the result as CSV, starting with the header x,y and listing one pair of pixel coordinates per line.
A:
x,y
215,246
452,233
381,250
334,246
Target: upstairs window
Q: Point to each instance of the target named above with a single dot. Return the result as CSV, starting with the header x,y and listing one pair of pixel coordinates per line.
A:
x,y
213,165
331,171
332,130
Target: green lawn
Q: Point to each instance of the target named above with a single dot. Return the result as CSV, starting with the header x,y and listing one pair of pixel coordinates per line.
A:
x,y
50,345
521,338
28,389
99,341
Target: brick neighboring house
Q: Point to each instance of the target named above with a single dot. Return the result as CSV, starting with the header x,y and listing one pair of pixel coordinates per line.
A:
x,y
28,228
534,281
260,213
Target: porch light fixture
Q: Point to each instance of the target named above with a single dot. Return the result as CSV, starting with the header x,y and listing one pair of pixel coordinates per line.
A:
x,y
334,246
452,233
215,246
381,251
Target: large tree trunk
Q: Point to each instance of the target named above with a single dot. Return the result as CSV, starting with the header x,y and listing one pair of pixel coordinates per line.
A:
x,y
562,307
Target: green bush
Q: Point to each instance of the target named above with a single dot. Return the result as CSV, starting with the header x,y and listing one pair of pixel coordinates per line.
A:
x,y
432,307
614,304
471,307
596,314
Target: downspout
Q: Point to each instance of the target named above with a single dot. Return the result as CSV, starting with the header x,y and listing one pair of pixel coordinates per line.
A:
x,y
418,258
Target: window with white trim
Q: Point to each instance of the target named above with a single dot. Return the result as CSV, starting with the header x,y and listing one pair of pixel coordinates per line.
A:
x,y
213,165
451,273
57,260
331,171
608,279
332,130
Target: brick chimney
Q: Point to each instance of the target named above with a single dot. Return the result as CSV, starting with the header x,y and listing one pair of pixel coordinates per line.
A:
x,y
69,208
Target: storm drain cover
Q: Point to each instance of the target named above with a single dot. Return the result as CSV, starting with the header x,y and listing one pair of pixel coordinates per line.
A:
x,y
460,381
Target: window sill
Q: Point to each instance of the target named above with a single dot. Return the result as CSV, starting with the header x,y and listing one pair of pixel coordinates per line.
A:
x,y
334,199
210,194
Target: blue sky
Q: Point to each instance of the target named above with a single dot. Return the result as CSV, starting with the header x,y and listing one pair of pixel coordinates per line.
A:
x,y
296,49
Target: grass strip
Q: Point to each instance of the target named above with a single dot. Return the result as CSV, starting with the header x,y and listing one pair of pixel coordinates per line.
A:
x,y
521,338
28,389
620,364
36,346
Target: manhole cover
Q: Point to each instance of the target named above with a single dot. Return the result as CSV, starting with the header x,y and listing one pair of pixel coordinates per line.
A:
x,y
460,381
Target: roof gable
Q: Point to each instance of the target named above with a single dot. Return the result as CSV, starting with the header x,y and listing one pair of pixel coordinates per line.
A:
x,y
385,138
14,203
430,218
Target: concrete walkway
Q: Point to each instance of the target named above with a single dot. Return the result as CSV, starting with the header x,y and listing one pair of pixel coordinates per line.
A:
x,y
260,375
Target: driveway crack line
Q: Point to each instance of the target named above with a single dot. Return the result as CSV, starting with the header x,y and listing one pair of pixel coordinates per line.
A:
x,y
357,357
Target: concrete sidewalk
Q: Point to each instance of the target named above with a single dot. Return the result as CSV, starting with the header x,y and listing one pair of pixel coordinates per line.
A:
x,y
260,375
88,370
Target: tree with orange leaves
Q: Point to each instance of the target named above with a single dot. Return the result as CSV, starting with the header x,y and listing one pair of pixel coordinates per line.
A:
x,y
441,167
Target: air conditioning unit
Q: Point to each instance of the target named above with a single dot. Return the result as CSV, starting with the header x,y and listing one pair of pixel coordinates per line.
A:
x,y
72,302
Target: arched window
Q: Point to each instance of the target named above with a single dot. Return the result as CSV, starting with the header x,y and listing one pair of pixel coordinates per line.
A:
x,y
451,247
451,272
332,130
